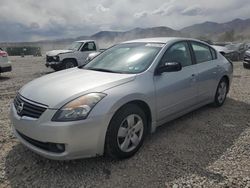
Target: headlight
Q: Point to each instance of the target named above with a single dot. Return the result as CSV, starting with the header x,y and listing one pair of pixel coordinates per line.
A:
x,y
56,58
79,108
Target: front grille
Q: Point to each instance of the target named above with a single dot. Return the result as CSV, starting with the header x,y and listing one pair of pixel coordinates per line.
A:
x,y
52,59
29,109
48,146
49,58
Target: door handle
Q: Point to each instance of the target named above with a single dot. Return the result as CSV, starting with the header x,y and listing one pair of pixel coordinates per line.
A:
x,y
193,77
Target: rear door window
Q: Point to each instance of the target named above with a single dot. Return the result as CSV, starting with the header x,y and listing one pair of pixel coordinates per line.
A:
x,y
202,52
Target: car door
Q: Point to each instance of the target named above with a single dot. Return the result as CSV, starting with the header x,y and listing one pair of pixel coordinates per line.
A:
x,y
176,91
85,50
208,69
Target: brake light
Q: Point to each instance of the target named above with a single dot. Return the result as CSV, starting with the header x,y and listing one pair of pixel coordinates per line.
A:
x,y
3,54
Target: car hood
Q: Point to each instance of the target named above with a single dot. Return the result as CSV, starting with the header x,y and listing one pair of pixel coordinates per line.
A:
x,y
222,49
58,88
57,52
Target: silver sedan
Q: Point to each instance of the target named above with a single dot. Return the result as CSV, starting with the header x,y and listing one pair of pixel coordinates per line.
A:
x,y
112,103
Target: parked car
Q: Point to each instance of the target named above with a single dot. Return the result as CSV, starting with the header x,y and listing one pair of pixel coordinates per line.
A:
x,y
75,55
24,51
232,51
238,49
221,43
246,63
5,64
228,53
109,105
248,46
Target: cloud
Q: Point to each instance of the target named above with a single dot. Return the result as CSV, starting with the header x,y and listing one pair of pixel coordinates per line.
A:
x,y
34,25
101,8
165,10
29,19
193,10
170,8
140,14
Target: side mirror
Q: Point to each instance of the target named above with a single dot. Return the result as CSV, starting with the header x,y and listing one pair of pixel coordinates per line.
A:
x,y
92,56
169,67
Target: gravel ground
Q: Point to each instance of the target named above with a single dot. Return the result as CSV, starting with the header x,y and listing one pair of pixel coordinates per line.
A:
x,y
206,148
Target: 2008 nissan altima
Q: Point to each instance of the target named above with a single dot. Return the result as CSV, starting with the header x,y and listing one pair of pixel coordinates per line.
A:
x,y
112,103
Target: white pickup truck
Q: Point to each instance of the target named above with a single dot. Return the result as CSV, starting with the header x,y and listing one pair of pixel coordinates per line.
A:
x,y
75,55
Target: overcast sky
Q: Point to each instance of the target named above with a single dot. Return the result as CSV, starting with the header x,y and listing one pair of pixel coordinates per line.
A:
x,y
31,20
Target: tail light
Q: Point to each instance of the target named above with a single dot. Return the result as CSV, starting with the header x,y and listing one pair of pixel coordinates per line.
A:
x,y
3,54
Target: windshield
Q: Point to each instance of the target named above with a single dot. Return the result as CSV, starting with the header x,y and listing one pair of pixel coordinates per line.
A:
x,y
128,58
75,46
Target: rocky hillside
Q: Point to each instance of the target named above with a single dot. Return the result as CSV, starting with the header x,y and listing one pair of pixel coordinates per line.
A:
x,y
235,30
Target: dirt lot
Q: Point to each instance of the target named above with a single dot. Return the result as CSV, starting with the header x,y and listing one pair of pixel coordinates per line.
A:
x,y
209,147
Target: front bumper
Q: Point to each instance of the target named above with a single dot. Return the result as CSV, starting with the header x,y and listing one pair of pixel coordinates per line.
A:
x,y
6,69
81,139
52,63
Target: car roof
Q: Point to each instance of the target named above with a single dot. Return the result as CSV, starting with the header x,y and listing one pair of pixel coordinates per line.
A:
x,y
160,40
85,41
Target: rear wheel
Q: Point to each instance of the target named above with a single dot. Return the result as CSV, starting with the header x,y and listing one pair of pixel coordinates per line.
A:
x,y
126,132
221,93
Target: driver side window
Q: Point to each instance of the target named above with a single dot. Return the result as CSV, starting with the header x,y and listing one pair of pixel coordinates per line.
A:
x,y
179,53
89,46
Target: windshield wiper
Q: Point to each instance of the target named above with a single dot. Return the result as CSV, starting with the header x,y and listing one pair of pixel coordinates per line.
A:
x,y
103,70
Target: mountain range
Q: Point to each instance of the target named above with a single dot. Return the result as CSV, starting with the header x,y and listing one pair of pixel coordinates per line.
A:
x,y
239,28
207,30
214,30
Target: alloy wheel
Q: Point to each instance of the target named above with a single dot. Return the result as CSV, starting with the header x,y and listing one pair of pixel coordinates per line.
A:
x,y
130,133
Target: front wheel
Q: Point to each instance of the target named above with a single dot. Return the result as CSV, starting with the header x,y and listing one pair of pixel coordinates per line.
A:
x,y
69,64
126,132
56,67
221,93
246,65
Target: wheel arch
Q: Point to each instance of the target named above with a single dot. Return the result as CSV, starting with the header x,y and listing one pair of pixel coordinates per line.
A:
x,y
146,109
70,59
141,104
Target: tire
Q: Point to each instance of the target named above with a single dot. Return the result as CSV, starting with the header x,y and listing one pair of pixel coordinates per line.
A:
x,y
246,65
69,63
126,132
56,67
221,93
